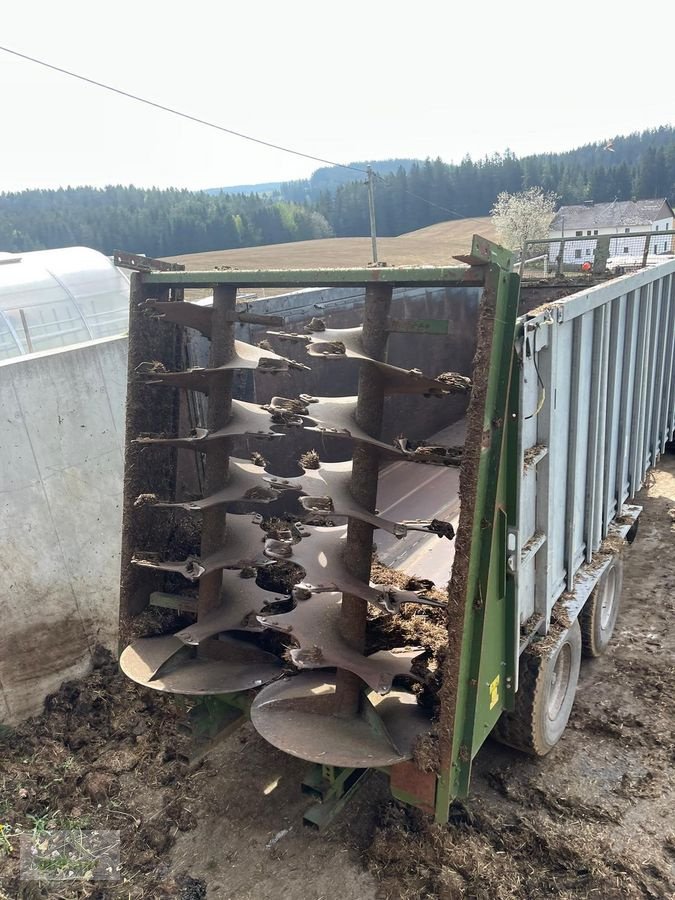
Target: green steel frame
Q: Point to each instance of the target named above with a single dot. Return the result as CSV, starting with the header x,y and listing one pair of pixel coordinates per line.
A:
x,y
479,679
403,276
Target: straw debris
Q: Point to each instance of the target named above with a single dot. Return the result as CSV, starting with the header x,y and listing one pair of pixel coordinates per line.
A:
x,y
494,857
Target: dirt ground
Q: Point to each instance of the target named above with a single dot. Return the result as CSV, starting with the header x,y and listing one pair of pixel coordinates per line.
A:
x,y
592,820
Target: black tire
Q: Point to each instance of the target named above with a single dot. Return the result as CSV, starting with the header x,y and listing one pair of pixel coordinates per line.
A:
x,y
598,617
545,696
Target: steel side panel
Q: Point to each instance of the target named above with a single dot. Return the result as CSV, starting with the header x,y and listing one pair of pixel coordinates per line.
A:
x,y
657,441
558,453
611,501
594,431
652,356
670,414
626,402
546,364
599,480
528,499
526,583
656,379
579,451
647,382
530,391
606,360
669,393
574,424
637,393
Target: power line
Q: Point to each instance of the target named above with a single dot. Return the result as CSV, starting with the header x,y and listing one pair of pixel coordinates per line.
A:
x,y
222,128
177,112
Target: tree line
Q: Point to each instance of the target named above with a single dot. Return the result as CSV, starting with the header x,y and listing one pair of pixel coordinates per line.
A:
x,y
410,194
638,166
151,221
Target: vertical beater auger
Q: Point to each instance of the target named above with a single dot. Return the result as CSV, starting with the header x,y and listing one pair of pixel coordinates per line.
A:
x,y
298,640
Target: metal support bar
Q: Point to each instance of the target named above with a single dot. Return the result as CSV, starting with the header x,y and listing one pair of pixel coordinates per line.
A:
x,y
365,468
371,213
404,276
140,263
211,721
670,356
247,318
626,405
218,414
601,255
596,237
333,789
145,411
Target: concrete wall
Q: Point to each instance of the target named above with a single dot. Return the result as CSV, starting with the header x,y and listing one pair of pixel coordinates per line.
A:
x,y
61,443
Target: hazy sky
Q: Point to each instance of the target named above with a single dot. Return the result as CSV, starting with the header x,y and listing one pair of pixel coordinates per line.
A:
x,y
344,81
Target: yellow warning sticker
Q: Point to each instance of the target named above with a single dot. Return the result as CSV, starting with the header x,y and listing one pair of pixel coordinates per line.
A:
x,y
494,692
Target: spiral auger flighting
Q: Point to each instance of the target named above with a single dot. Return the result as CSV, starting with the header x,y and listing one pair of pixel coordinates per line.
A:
x,y
276,574
337,719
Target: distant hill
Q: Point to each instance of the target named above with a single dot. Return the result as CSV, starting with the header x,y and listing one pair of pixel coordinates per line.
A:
x,y
265,188
327,178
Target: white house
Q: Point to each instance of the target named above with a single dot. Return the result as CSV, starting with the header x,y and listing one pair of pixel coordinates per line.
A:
x,y
588,220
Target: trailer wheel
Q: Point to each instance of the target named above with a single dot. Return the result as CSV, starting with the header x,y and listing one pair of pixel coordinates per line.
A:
x,y
545,696
598,617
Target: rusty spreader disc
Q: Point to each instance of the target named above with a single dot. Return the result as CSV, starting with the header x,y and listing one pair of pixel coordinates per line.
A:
x,y
296,715
166,664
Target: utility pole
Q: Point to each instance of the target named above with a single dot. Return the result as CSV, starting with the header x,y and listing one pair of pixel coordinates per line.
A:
x,y
371,210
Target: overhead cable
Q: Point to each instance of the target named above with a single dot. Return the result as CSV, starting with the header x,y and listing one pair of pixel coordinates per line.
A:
x,y
177,112
214,125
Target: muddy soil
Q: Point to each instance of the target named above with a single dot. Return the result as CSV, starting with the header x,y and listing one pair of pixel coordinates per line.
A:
x,y
595,818
592,820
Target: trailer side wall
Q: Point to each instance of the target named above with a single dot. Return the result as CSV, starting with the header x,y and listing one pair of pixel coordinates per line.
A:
x,y
597,408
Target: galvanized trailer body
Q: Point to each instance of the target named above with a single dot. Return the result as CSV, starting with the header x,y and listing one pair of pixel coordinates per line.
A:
x,y
596,409
591,408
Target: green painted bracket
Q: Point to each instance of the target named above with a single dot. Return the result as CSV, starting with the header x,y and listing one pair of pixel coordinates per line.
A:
x,y
332,787
484,252
213,718
483,672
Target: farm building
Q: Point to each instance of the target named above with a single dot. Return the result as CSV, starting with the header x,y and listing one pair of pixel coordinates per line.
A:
x,y
590,220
